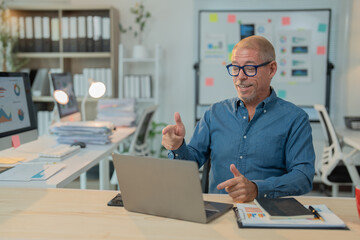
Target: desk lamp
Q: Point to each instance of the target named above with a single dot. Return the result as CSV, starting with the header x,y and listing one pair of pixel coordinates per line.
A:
x,y
96,90
60,97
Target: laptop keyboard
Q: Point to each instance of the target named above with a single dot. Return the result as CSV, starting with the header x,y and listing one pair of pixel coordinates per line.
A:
x,y
209,209
210,213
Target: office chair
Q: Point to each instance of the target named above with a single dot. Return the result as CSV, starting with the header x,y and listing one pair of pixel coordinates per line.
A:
x,y
337,167
139,145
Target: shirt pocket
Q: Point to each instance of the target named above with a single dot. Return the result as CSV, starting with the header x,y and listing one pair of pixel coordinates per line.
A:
x,y
270,151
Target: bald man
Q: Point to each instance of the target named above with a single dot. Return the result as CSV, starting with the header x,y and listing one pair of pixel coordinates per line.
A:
x,y
260,146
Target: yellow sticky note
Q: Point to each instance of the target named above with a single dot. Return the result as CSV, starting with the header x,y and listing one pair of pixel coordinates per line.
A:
x,y
10,160
213,17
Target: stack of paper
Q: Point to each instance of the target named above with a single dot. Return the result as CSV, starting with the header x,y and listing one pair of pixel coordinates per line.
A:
x,y
92,132
121,112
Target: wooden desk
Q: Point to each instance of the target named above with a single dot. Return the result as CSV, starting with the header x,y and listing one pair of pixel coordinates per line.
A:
x,y
83,214
76,165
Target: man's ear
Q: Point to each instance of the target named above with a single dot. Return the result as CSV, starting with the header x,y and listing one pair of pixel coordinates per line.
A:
x,y
273,69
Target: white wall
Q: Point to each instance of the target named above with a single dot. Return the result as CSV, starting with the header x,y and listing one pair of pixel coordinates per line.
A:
x,y
173,26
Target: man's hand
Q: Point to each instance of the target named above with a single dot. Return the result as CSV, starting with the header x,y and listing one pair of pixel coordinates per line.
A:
x,y
239,187
173,135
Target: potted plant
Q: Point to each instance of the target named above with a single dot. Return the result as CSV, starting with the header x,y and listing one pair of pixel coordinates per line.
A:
x,y
141,17
8,59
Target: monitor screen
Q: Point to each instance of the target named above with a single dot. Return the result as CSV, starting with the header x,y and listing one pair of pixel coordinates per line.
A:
x,y
69,111
17,116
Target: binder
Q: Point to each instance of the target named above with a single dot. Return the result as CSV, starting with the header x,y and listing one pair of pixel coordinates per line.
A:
x,y
109,87
46,34
65,34
38,43
251,216
29,34
89,34
106,34
97,33
55,34
22,39
81,21
15,31
73,35
41,85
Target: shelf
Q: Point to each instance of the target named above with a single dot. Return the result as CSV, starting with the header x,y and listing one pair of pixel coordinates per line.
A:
x,y
137,60
48,99
65,55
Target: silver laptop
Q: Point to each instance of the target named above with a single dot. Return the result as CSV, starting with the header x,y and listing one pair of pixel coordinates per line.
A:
x,y
163,187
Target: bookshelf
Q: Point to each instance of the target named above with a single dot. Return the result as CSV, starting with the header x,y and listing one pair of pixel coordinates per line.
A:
x,y
65,57
140,67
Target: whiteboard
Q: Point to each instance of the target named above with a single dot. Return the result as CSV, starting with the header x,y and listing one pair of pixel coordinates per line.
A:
x,y
300,39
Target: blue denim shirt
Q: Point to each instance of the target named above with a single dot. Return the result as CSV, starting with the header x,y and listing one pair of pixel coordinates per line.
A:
x,y
274,149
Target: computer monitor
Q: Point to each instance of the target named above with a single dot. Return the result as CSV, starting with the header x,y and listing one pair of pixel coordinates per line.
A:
x,y
17,117
69,111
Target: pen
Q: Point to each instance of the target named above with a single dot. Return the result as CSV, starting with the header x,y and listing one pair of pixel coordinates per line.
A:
x,y
317,215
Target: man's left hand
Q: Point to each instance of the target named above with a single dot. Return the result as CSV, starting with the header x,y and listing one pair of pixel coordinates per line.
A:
x,y
239,187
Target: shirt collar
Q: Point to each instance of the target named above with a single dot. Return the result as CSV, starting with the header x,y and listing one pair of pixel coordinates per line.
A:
x,y
267,101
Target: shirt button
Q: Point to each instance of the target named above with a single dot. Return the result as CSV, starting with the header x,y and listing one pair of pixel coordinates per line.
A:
x,y
244,117
244,137
241,157
265,195
265,111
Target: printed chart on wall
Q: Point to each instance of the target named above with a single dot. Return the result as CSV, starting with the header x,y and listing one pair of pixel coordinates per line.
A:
x,y
301,44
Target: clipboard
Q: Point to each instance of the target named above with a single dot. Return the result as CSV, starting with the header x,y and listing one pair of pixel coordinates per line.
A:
x,y
251,216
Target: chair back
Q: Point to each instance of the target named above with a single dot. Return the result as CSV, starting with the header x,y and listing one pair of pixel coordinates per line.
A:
x,y
139,144
332,153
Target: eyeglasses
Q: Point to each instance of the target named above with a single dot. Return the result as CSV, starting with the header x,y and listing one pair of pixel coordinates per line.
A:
x,y
249,70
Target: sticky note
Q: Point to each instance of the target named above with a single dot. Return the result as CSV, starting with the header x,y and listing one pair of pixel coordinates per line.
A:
x,y
15,141
231,18
230,55
285,21
269,20
239,22
209,81
321,50
231,47
282,94
322,27
213,17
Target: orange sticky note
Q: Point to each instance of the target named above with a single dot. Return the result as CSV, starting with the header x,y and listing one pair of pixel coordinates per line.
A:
x,y
209,81
285,21
15,141
321,50
231,18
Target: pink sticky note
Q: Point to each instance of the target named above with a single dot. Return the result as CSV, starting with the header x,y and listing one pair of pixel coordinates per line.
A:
x,y
231,18
209,81
321,50
15,141
285,21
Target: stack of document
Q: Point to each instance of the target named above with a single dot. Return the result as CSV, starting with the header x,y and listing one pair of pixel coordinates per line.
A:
x,y
121,112
92,132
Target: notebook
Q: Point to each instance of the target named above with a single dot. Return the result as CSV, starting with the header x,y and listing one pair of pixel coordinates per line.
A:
x,y
163,187
283,208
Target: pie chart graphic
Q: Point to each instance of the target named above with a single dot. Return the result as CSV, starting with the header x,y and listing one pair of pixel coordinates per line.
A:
x,y
16,89
21,114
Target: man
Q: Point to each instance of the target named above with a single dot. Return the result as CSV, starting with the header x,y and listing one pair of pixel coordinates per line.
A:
x,y
260,146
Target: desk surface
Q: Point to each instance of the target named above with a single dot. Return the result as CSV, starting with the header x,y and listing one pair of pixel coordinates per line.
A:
x,y
83,214
351,137
76,164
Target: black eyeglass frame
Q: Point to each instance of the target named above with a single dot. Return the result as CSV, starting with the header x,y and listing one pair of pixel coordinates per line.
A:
x,y
243,68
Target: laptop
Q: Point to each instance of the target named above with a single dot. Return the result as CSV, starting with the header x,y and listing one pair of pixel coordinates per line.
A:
x,y
163,187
